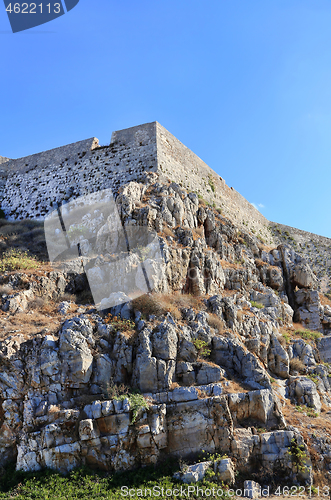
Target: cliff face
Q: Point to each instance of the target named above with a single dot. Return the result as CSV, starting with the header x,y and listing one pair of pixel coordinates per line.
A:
x,y
213,351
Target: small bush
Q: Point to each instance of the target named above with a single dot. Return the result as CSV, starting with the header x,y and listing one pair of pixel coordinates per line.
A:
x,y
296,365
13,260
298,456
137,403
256,304
286,337
120,324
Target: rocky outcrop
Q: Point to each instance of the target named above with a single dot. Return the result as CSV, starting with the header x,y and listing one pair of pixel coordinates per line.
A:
x,y
211,361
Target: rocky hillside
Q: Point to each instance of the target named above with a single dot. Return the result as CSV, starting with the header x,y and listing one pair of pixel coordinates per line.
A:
x,y
229,353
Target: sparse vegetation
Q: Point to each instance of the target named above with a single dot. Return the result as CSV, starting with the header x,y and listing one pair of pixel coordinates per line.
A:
x,y
211,183
159,304
256,304
120,324
296,365
12,260
215,322
298,456
310,412
286,336
308,334
25,235
202,348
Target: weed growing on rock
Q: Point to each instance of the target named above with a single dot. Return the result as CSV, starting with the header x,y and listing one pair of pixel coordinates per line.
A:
x,y
313,377
256,304
120,324
308,334
137,403
202,348
298,455
310,412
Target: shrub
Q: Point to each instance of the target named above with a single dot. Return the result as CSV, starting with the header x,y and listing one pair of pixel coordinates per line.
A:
x,y
137,403
202,348
13,260
120,324
296,365
159,304
286,337
298,456
215,322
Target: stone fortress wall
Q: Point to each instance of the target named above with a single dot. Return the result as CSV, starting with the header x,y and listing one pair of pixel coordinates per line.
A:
x,y
33,186
37,184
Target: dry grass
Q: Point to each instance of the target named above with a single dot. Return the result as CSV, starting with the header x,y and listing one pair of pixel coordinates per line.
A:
x,y
39,317
260,263
198,233
296,365
282,341
159,304
207,362
5,290
167,231
215,322
173,386
230,265
325,301
236,386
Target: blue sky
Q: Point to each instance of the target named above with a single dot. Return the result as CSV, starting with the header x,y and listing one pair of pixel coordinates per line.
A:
x,y
245,84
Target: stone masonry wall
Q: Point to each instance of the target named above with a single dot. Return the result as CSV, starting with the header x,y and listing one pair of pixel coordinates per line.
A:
x,y
43,181
32,186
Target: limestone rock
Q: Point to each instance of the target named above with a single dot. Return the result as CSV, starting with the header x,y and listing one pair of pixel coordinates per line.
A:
x,y
304,391
225,471
193,473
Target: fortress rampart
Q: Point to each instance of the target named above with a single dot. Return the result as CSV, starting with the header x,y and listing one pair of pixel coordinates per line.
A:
x,y
32,186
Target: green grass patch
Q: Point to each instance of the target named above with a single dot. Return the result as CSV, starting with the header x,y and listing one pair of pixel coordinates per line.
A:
x,y
85,484
308,334
13,260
